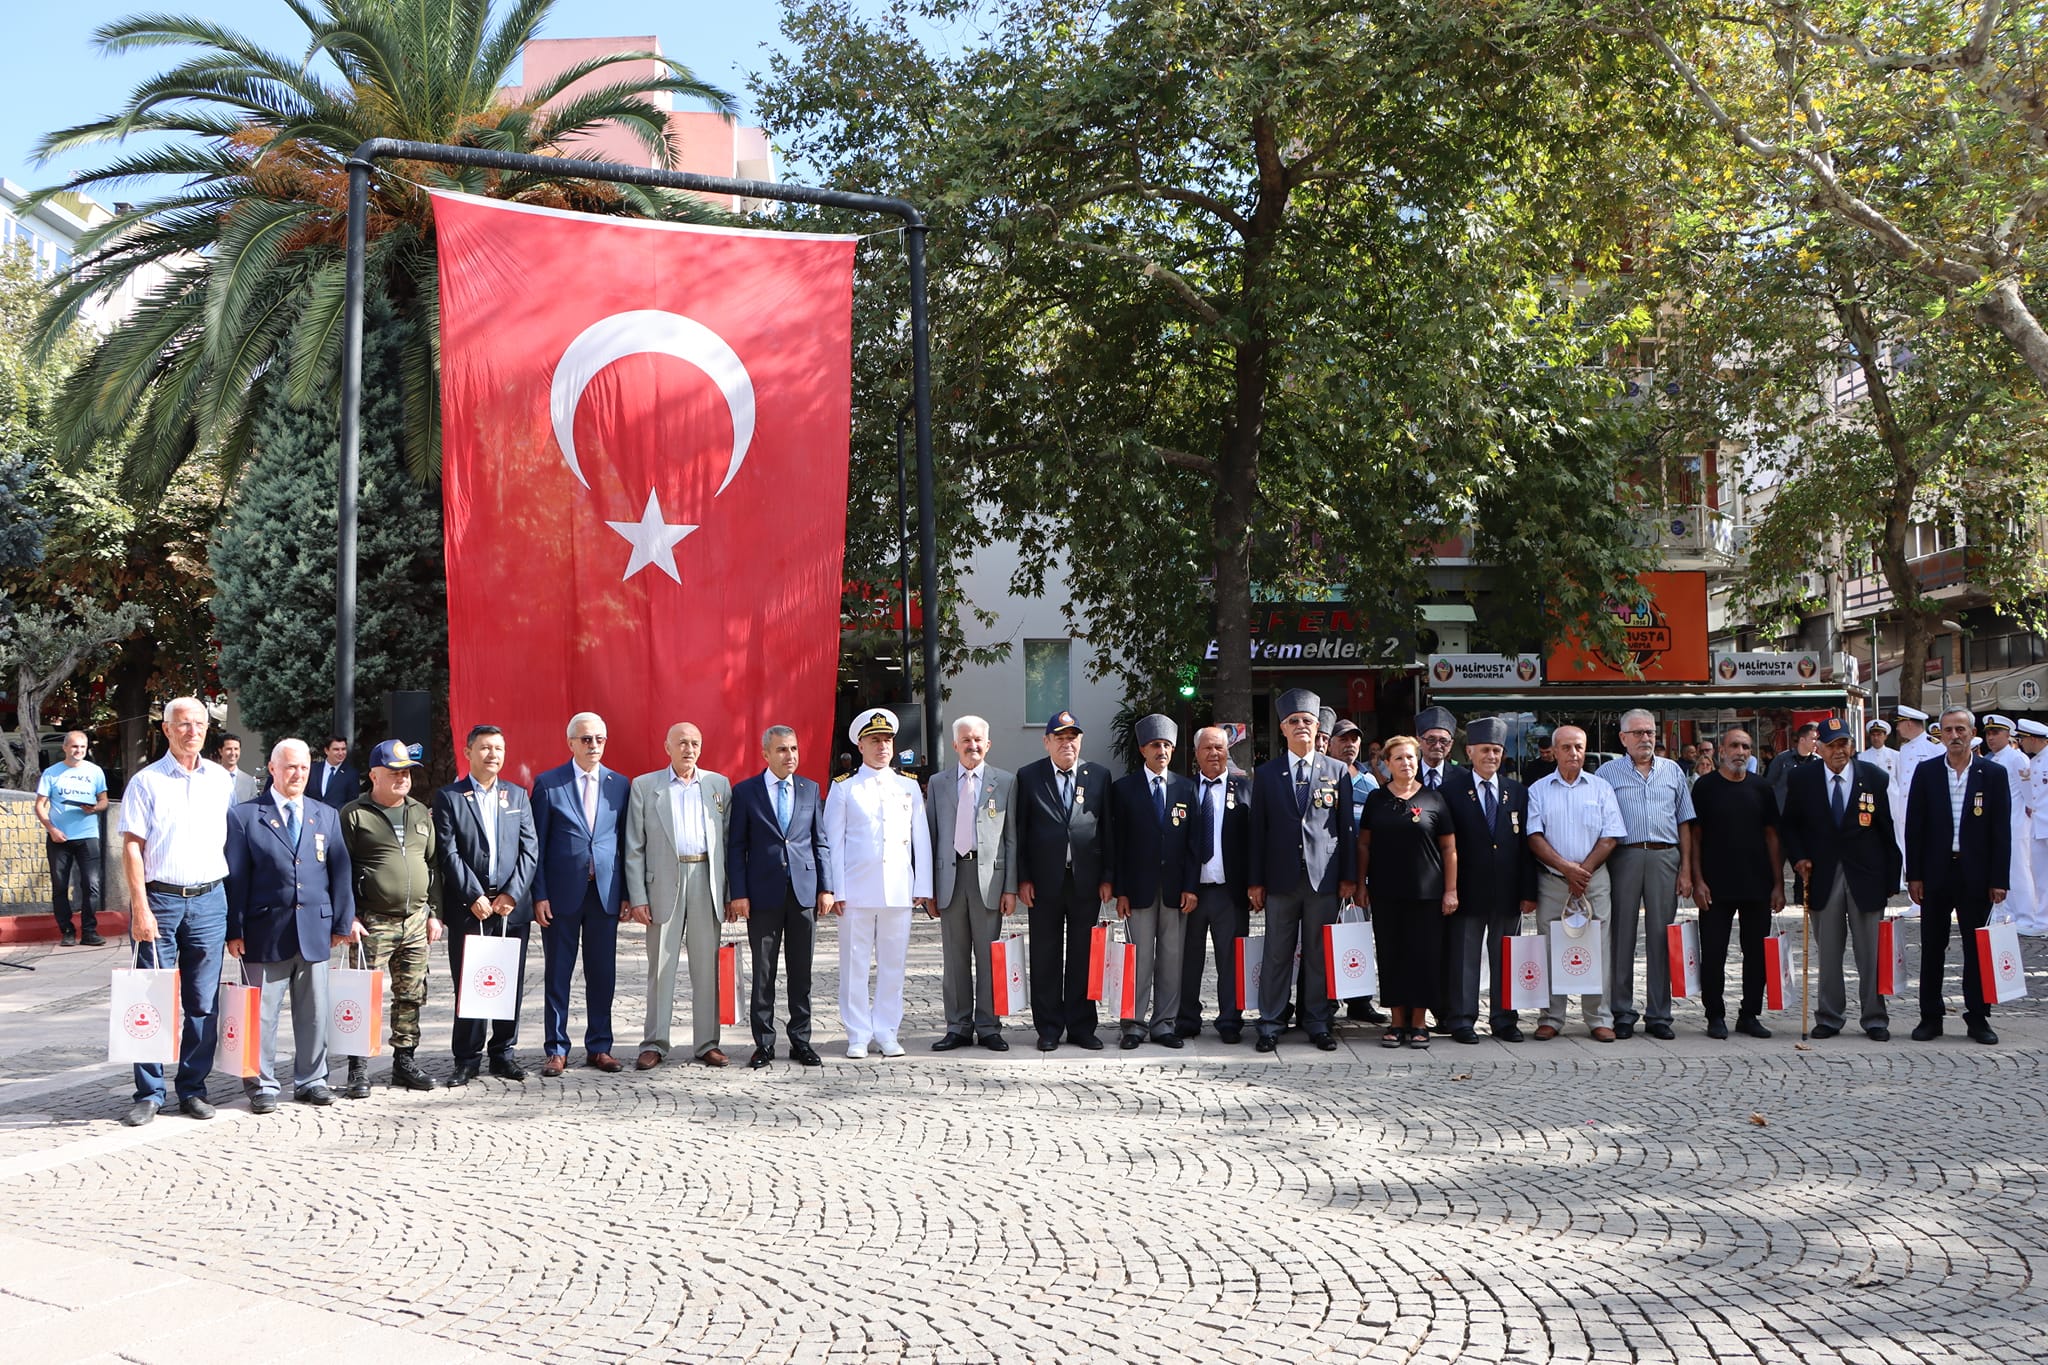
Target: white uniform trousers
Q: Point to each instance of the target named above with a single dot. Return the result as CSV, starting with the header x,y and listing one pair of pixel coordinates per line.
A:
x,y
877,940
2035,921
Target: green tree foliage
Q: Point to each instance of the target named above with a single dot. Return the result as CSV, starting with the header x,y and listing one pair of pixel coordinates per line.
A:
x,y
274,559
41,649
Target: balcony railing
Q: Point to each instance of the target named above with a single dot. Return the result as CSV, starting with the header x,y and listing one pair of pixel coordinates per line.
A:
x,y
1943,569
1694,531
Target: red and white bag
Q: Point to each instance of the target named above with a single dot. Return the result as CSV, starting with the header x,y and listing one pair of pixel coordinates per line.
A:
x,y
1780,985
1578,958
1999,967
143,1021
1251,960
1683,948
1524,972
729,994
1113,971
489,988
355,1010
240,1050
1891,958
1349,964
1006,975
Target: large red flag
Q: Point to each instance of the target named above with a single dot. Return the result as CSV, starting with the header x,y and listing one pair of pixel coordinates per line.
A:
x,y
644,447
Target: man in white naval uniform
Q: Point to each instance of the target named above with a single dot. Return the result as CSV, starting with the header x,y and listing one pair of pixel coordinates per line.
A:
x,y
882,865
2000,749
1877,752
2033,742
1916,746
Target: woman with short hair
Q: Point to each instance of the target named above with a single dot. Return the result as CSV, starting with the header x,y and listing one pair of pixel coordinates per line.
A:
x,y
1408,876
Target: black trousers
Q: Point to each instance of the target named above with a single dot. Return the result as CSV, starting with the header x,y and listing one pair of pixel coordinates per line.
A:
x,y
1716,920
1218,920
790,932
469,1033
1060,920
1970,916
75,861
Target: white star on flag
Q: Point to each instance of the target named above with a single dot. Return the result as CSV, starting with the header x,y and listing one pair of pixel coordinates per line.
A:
x,y
654,540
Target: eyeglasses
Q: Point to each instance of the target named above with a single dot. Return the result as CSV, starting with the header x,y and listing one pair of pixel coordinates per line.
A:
x,y
590,739
1638,734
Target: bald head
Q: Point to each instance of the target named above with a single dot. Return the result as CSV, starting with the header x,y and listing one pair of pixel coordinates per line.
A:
x,y
1568,746
685,743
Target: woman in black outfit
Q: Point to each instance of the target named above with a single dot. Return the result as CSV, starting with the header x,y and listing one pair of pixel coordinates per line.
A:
x,y
1407,850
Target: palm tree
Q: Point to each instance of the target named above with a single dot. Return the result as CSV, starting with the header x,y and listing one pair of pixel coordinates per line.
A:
x,y
252,239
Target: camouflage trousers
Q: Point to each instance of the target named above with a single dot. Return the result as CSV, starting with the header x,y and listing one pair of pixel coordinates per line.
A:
x,y
399,944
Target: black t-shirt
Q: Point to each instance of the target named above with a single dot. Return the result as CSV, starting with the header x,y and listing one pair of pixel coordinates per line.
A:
x,y
1407,864
1733,858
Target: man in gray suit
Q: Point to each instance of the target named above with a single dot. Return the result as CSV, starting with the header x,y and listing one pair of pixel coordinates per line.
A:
x,y
247,787
974,883
675,885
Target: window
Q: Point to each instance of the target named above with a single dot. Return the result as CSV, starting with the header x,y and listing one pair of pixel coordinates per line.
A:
x,y
1045,678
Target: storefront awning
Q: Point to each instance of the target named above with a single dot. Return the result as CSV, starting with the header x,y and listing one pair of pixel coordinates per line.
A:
x,y
1661,702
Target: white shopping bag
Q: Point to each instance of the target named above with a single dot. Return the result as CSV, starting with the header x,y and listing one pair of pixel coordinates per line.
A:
x,y
1524,972
355,1010
1781,986
1999,968
240,1049
1578,957
1349,963
1006,975
1251,960
1683,942
489,988
1119,977
143,1022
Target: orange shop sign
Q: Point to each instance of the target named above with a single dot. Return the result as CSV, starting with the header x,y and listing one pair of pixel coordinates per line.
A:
x,y
1667,637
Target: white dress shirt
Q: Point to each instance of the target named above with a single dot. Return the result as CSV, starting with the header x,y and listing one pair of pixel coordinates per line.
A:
x,y
968,798
1957,782
487,813
1574,816
686,815
1212,871
182,817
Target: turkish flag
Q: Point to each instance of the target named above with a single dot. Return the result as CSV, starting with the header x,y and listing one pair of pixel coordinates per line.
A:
x,y
644,451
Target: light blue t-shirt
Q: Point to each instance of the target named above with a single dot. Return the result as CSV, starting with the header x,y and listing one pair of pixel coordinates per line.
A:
x,y
63,785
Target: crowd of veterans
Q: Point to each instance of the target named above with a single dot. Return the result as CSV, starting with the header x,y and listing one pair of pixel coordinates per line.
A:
x,y
1446,859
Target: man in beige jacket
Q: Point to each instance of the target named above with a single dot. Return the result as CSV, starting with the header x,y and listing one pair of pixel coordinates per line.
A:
x,y
675,885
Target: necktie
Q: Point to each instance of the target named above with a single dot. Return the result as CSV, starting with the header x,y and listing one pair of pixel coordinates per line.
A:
x,y
1067,791
590,801
291,822
1841,799
963,816
1208,818
1430,779
1492,803
1301,785
782,804
1159,798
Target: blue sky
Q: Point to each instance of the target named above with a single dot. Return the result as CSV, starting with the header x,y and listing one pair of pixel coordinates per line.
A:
x,y
51,77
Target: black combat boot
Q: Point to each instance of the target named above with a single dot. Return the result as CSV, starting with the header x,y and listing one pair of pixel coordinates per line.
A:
x,y
358,1079
405,1072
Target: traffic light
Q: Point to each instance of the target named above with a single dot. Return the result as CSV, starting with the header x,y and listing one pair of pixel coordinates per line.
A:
x,y
1189,676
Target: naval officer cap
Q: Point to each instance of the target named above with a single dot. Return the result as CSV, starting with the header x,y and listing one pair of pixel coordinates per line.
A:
x,y
2034,728
1298,700
876,720
1157,727
1878,723
1435,718
1487,730
1912,713
1997,722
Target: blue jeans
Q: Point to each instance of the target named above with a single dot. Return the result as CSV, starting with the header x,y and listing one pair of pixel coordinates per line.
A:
x,y
191,935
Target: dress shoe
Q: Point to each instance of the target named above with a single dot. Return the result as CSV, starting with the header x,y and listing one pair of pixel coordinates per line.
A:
x,y
1663,1033
1170,1040
647,1060
603,1061
890,1047
315,1094
465,1071
995,1042
67,939
1604,1035
1878,1035
714,1057
1048,1044
1464,1035
1188,1030
192,1107
1266,1043
1926,1033
92,940
1823,1031
1233,1036
263,1103
1129,1042
555,1065
759,1061
1508,1033
1981,1033
1624,1030
804,1054
1363,1011
1091,1043
1544,1033
1717,1028
856,1052
508,1068
1324,1042
358,1079
1751,1026
405,1072
139,1113
951,1041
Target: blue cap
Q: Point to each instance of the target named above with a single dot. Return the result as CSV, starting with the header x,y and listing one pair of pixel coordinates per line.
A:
x,y
394,755
1063,720
1834,728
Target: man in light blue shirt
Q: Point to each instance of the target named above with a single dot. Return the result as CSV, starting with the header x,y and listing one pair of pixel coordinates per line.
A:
x,y
1651,870
1574,824
69,799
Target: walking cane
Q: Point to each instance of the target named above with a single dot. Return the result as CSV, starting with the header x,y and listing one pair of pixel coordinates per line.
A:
x,y
1805,957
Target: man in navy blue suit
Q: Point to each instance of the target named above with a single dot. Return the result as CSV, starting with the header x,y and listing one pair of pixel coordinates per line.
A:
x,y
579,817
778,873
1066,850
1304,859
1496,879
1223,813
333,782
289,905
1958,861
1154,879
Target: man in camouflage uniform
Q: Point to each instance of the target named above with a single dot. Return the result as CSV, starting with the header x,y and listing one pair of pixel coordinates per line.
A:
x,y
390,841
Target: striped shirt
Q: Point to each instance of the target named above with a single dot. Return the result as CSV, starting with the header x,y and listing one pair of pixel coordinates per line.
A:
x,y
182,819
1574,816
1652,807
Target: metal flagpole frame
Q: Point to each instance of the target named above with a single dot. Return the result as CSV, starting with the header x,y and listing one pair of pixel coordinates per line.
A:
x,y
364,160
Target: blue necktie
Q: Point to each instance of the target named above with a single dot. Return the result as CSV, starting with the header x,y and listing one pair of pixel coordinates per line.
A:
x,y
1841,802
1208,818
291,822
1492,806
1159,799
782,804
1301,786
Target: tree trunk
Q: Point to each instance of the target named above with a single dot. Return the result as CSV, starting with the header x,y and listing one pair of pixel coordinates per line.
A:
x,y
1236,492
28,705
2005,310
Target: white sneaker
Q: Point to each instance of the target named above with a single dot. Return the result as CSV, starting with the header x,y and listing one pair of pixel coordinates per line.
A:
x,y
857,1051
890,1047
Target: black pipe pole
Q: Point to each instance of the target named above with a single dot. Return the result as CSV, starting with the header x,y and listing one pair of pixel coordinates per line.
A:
x,y
903,539
562,168
351,455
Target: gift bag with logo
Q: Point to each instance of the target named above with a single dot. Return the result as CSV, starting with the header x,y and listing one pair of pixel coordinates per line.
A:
x,y
240,1051
1578,954
1999,967
1349,964
355,1009
489,988
143,1022
1780,985
1251,956
1683,941
1524,972
1006,975
1115,963
729,994
1891,958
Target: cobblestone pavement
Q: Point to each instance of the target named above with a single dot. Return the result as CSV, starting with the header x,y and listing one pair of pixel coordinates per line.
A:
x,y
1739,1201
